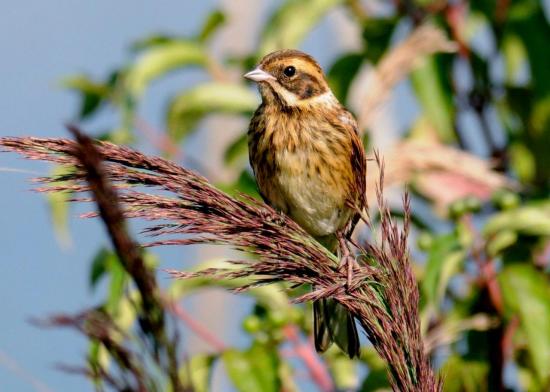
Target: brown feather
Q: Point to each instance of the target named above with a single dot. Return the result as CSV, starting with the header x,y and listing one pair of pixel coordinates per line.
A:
x,y
309,163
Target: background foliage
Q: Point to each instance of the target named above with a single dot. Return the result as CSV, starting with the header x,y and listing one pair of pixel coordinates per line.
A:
x,y
483,234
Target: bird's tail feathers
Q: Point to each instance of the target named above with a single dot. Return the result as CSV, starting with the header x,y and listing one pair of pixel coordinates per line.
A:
x,y
333,323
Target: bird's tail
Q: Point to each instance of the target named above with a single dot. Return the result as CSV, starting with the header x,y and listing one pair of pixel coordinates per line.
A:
x,y
333,323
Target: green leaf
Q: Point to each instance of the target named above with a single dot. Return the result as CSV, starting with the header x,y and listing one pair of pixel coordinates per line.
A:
x,y
98,358
271,297
434,94
527,293
106,262
522,161
533,219
343,369
528,380
237,150
186,110
161,59
99,266
342,73
119,277
152,41
515,56
464,375
213,22
245,184
377,379
59,207
444,259
93,94
197,372
253,370
291,22
502,240
527,20
377,33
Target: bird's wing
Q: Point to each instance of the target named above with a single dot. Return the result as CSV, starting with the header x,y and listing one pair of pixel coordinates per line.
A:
x,y
358,194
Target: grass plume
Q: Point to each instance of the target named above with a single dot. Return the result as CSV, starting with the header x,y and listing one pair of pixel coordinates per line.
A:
x,y
383,295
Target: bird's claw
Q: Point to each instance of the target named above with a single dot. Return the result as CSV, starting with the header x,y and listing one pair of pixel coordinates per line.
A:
x,y
347,261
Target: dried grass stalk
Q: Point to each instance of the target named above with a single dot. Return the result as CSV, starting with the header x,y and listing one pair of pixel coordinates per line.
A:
x,y
383,294
398,63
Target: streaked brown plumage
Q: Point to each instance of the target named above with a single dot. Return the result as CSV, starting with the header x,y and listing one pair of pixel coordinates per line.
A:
x,y
309,163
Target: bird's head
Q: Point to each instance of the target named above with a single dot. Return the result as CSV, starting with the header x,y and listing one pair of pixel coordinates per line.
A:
x,y
291,78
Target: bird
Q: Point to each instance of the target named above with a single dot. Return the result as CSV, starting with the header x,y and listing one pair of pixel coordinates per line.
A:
x,y
309,163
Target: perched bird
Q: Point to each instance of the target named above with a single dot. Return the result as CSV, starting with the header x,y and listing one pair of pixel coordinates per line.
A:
x,y
309,163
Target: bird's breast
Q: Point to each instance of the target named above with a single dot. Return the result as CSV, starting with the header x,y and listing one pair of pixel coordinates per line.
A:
x,y
304,169
313,197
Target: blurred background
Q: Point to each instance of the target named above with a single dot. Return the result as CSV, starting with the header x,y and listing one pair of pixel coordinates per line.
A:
x,y
455,94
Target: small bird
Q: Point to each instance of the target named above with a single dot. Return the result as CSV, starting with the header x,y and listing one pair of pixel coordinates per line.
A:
x,y
310,164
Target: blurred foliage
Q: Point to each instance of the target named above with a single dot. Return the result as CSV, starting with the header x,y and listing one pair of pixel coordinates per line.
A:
x,y
486,257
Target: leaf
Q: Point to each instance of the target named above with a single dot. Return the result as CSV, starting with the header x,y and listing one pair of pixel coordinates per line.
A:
x,y
515,56
377,33
435,96
533,219
377,379
213,22
526,293
291,22
344,371
119,277
245,184
236,150
59,206
465,375
272,297
444,259
342,72
99,266
93,94
528,380
527,20
187,109
502,240
98,358
197,372
152,41
161,59
522,161
107,262
253,370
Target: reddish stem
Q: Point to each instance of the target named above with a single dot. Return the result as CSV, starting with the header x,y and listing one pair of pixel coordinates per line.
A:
x,y
195,326
490,279
501,10
317,370
507,339
158,138
455,15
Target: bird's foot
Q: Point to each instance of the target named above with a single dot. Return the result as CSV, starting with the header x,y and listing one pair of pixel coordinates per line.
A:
x,y
347,260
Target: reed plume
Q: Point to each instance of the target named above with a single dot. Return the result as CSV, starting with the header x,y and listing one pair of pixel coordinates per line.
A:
x,y
383,295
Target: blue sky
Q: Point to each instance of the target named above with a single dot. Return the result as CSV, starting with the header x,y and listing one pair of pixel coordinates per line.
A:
x,y
40,42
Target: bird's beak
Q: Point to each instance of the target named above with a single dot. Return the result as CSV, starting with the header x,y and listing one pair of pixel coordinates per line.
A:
x,y
258,75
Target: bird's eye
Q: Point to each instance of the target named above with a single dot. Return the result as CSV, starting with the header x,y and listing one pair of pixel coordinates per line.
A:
x,y
289,71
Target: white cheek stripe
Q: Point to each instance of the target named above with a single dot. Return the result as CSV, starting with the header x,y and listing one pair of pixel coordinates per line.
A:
x,y
325,98
292,99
